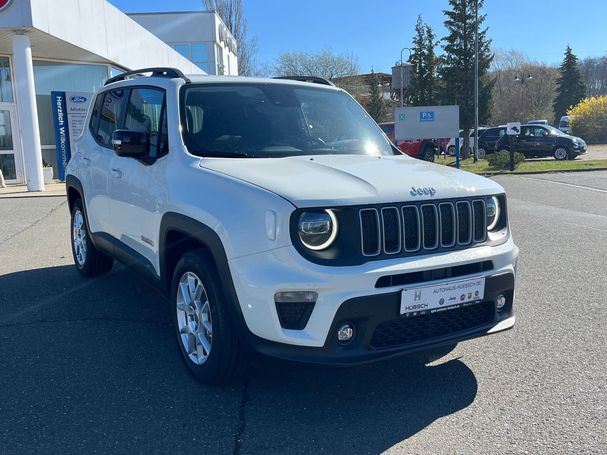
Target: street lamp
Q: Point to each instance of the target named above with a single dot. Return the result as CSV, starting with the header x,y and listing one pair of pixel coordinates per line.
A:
x,y
402,100
518,77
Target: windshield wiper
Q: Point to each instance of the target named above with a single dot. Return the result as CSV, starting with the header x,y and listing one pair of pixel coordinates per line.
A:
x,y
218,154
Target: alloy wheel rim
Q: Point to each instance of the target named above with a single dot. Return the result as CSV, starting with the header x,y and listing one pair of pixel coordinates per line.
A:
x,y
194,320
79,237
560,153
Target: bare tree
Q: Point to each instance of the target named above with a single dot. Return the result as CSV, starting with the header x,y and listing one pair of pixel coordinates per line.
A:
x,y
523,89
594,72
232,14
322,64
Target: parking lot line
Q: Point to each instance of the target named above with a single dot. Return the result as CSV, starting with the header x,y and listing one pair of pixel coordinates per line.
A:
x,y
583,187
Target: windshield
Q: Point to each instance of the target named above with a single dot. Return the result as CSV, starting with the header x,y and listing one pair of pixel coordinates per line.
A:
x,y
276,120
553,130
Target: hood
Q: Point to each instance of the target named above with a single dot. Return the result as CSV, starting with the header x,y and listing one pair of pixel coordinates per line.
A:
x,y
340,180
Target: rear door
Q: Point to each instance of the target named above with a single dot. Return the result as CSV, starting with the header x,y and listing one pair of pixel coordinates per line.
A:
x,y
105,119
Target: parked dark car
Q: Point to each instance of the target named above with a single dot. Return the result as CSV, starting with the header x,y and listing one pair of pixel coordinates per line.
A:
x,y
487,141
544,140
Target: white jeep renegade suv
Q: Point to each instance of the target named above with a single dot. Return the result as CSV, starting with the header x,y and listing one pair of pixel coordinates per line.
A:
x,y
279,217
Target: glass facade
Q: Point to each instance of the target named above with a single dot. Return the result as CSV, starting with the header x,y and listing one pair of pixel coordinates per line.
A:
x,y
197,53
6,86
60,76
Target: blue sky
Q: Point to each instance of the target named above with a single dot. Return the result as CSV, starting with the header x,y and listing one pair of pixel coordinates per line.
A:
x,y
375,32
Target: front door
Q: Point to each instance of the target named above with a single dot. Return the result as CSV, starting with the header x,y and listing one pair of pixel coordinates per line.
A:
x,y
11,161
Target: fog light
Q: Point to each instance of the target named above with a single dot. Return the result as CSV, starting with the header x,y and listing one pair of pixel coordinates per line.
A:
x,y
345,333
500,302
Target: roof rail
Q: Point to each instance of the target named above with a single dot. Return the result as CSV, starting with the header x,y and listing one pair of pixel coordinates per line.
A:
x,y
311,79
156,72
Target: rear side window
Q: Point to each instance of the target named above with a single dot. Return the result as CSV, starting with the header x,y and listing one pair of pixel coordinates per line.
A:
x,y
146,112
95,115
109,116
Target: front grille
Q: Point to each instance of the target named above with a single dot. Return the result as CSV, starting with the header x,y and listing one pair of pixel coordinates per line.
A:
x,y
401,331
422,228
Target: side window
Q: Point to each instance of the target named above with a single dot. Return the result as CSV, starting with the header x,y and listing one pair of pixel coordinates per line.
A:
x,y
95,115
146,112
526,131
109,116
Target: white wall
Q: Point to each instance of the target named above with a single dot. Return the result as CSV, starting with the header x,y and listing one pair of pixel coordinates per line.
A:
x,y
179,27
97,27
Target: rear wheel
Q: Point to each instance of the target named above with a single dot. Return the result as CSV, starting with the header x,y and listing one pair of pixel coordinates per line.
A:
x,y
428,153
89,260
204,328
561,153
482,153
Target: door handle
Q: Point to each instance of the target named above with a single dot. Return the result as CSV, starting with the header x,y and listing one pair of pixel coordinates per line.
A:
x,y
116,173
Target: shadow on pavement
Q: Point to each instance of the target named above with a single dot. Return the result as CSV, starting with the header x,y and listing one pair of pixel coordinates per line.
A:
x,y
92,365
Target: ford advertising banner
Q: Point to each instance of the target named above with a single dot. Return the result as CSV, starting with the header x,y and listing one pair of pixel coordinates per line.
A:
x,y
69,114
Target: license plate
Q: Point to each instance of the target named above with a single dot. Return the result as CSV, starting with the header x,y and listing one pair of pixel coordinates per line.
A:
x,y
441,297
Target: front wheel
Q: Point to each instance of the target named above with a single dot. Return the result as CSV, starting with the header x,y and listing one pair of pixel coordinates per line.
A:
x,y
482,153
561,153
451,150
205,331
90,262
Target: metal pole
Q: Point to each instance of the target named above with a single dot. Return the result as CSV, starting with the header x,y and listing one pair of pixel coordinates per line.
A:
x,y
476,83
401,77
402,94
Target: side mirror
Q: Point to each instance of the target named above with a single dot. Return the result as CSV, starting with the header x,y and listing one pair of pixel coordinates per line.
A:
x,y
131,143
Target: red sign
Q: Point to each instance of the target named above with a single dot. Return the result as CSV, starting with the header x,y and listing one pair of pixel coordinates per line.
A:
x,y
5,4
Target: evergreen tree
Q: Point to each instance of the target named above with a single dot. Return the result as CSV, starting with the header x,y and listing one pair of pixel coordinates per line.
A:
x,y
456,68
430,91
422,88
570,87
376,106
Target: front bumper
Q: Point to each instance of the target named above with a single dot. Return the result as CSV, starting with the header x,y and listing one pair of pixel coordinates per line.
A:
x,y
381,332
350,294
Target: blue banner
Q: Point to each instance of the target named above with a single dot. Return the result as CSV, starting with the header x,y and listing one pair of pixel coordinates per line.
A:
x,y
62,134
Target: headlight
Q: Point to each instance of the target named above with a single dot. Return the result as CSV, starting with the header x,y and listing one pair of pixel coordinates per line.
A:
x,y
317,230
493,212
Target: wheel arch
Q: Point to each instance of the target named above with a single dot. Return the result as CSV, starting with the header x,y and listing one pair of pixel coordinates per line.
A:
x,y
74,191
180,234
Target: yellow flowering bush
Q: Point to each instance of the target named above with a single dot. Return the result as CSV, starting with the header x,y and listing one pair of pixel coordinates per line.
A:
x,y
589,119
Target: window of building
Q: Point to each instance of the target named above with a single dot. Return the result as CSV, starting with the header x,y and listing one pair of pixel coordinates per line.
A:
x,y
66,77
220,65
183,49
145,112
6,85
200,55
197,53
109,117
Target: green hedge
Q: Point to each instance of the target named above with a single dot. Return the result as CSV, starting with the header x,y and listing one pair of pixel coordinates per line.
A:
x,y
501,160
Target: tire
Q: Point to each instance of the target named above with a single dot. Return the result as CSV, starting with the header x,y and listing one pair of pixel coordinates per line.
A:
x,y
482,153
561,153
428,154
451,150
90,262
204,329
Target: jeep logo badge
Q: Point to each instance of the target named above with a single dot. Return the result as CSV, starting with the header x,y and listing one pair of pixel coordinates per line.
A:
x,y
426,191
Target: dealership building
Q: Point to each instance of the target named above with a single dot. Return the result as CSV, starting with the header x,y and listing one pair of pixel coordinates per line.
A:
x,y
74,46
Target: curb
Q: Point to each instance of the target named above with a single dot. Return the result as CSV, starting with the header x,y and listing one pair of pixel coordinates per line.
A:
x,y
555,171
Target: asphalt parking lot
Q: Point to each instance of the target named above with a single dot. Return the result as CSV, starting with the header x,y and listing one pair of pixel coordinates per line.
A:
x,y
92,365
